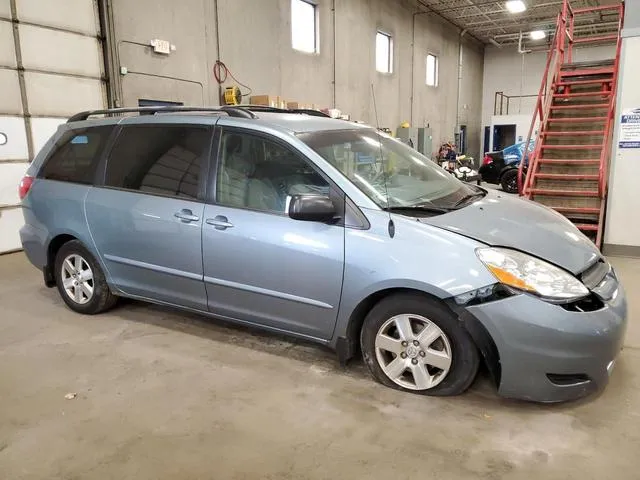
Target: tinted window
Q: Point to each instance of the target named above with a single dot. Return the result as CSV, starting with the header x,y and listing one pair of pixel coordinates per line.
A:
x,y
159,159
76,158
259,174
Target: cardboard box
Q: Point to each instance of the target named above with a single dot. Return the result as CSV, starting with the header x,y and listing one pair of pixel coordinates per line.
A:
x,y
266,100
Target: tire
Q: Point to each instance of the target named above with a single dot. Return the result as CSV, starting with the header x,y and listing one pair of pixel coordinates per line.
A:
x,y
509,181
87,292
454,342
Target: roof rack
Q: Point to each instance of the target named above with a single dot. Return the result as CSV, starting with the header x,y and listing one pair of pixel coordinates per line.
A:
x,y
311,112
232,111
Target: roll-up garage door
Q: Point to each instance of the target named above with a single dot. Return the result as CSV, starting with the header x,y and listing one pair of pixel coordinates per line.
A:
x,y
50,68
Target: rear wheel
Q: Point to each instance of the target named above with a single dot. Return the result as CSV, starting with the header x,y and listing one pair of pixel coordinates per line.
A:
x,y
80,280
413,343
509,181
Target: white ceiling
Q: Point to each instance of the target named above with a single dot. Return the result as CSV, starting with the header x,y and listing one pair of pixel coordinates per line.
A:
x,y
489,21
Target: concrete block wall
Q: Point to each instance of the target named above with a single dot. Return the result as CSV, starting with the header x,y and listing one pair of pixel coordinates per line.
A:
x,y
253,39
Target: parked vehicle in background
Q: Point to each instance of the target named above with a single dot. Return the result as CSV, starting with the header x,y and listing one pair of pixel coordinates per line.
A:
x,y
328,231
501,168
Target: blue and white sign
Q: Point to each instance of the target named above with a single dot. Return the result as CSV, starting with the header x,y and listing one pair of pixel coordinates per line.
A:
x,y
630,129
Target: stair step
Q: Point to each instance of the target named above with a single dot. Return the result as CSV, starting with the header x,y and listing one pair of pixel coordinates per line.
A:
x,y
573,132
587,227
570,210
565,176
581,94
572,147
601,38
572,83
564,193
568,161
589,63
582,106
577,119
586,73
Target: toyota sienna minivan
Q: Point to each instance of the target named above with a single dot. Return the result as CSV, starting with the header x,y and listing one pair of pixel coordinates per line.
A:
x,y
326,230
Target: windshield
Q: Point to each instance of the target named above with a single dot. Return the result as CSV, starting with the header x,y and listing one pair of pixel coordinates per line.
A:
x,y
389,172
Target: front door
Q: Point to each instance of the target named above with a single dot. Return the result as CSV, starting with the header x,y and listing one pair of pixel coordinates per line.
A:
x,y
261,266
147,219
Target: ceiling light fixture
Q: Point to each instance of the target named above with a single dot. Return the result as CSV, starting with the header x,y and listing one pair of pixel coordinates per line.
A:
x,y
515,6
537,35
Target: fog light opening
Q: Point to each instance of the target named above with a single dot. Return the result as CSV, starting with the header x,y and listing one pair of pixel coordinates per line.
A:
x,y
566,380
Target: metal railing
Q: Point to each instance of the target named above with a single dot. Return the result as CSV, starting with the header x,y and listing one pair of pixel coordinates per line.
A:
x,y
502,102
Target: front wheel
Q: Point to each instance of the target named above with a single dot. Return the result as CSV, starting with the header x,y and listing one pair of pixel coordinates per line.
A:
x,y
413,343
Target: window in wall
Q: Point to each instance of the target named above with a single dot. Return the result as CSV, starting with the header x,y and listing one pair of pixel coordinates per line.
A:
x,y
77,157
259,174
304,26
384,53
432,70
160,159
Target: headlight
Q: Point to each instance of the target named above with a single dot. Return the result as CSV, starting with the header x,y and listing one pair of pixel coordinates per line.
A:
x,y
527,273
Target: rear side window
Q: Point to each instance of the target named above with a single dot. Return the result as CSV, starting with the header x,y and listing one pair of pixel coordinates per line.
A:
x,y
159,159
77,155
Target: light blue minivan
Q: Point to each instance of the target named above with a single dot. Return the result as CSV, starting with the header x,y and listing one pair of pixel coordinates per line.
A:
x,y
329,231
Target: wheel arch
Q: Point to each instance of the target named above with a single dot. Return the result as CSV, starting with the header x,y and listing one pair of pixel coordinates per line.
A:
x,y
347,343
506,169
52,250
348,346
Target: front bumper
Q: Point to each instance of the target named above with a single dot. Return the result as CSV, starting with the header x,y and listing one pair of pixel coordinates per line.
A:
x,y
550,354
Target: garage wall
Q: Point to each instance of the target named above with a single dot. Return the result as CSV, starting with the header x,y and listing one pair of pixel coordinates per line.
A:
x,y
506,70
622,233
254,40
50,68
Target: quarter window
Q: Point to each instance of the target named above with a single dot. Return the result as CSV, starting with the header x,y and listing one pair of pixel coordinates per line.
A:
x,y
78,154
260,174
159,159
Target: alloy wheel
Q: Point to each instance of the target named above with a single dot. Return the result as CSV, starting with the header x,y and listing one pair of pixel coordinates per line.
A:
x,y
413,352
77,279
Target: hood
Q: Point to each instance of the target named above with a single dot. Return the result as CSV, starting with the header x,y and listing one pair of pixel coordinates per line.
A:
x,y
500,220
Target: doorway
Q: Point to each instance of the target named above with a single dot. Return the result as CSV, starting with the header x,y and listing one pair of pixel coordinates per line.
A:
x,y
503,136
486,143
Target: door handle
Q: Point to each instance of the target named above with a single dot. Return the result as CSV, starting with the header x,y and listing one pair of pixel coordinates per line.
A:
x,y
186,216
220,222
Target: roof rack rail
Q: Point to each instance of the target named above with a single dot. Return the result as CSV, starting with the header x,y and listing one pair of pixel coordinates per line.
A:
x,y
232,111
311,112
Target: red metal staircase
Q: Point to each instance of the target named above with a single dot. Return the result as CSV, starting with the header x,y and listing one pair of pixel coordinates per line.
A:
x,y
574,115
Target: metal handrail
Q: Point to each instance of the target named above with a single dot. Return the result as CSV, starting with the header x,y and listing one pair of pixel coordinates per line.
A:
x,y
544,96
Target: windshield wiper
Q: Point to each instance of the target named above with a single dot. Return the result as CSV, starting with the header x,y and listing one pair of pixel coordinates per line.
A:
x,y
417,208
468,197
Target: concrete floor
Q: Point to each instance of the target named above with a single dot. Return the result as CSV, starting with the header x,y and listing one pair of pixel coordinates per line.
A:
x,y
162,395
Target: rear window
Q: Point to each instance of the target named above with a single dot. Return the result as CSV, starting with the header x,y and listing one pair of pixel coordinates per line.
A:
x,y
159,159
77,155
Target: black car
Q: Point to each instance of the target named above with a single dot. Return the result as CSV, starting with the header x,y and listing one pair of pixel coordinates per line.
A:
x,y
495,170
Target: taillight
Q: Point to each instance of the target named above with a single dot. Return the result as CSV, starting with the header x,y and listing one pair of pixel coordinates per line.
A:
x,y
25,185
487,160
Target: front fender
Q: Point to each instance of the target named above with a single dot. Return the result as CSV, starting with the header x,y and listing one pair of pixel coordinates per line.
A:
x,y
419,257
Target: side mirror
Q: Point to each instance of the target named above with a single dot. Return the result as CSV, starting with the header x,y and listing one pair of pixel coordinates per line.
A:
x,y
312,208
